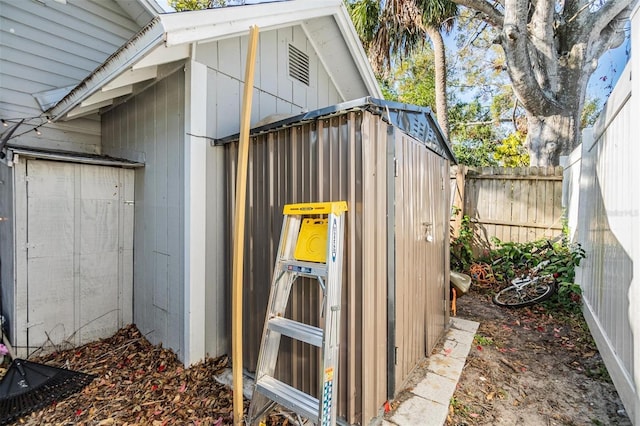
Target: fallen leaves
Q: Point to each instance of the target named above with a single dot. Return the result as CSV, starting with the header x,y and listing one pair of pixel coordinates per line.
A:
x,y
138,384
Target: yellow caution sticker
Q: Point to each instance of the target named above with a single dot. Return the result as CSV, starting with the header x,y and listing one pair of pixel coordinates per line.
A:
x,y
328,374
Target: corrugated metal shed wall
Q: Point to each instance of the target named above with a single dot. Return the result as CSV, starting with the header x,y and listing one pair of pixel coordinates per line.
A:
x,y
422,236
321,161
152,123
345,157
50,45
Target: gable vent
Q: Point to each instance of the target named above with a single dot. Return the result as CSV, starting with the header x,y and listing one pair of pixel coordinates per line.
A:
x,y
298,65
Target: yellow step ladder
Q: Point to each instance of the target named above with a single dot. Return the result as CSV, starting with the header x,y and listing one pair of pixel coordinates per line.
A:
x,y
311,245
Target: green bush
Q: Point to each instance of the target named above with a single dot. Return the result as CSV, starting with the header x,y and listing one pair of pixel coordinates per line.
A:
x,y
512,259
461,252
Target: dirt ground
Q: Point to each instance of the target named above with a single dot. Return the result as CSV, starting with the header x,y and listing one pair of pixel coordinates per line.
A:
x,y
531,367
526,367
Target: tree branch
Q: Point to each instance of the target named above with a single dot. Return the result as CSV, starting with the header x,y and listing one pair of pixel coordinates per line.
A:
x,y
489,12
607,37
480,123
610,11
513,116
515,42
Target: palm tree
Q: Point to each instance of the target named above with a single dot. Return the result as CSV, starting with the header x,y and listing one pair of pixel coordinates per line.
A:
x,y
395,28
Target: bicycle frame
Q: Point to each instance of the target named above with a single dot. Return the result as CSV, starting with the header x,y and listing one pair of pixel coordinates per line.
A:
x,y
523,280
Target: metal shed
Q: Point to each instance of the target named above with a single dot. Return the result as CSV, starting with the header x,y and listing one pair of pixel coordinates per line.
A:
x,y
390,162
66,246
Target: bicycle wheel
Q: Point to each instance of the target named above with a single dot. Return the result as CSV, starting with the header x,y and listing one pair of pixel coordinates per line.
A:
x,y
533,292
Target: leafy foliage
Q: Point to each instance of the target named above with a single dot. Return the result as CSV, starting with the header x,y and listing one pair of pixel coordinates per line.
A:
x,y
472,122
474,154
461,253
590,113
185,5
512,152
473,134
415,79
511,259
547,69
365,15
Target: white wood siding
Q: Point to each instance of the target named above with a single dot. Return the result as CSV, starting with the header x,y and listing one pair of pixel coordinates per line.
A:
x,y
47,45
150,127
275,92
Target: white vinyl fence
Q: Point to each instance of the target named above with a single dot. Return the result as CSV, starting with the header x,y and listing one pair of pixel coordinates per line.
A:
x,y
602,198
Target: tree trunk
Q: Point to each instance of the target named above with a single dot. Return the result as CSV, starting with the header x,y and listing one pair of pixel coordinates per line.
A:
x,y
441,79
551,136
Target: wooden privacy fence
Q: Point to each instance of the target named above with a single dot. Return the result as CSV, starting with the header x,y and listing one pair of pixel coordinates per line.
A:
x,y
512,204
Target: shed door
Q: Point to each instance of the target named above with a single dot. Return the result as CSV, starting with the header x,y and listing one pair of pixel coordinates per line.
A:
x,y
420,200
79,251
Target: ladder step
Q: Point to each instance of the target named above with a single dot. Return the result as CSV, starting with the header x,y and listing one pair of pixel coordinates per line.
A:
x,y
297,330
310,269
289,397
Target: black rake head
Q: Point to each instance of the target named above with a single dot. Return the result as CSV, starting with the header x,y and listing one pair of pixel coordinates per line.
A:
x,y
29,386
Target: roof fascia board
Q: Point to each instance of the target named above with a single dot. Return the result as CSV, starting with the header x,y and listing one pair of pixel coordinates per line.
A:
x,y
322,60
152,7
104,95
49,98
81,111
126,56
196,26
179,31
73,158
131,77
357,51
163,55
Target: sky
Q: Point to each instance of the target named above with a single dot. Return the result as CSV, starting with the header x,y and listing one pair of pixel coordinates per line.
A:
x,y
610,67
601,83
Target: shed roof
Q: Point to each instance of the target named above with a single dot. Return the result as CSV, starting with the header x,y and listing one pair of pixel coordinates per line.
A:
x,y
72,157
169,38
416,121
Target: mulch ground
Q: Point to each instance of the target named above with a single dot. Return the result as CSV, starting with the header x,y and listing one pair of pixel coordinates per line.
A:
x,y
137,384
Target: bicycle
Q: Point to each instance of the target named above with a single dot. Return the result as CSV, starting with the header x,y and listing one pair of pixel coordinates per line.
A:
x,y
527,290
530,288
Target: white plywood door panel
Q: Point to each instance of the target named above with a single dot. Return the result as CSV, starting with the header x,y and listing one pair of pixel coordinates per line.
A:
x,y
50,226
50,254
125,265
98,284
20,205
79,245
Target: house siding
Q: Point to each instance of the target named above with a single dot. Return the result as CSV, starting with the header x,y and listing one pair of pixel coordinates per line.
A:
x,y
151,125
274,91
150,128
48,45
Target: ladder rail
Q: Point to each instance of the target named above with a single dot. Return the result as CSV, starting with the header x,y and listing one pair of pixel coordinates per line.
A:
x,y
296,245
